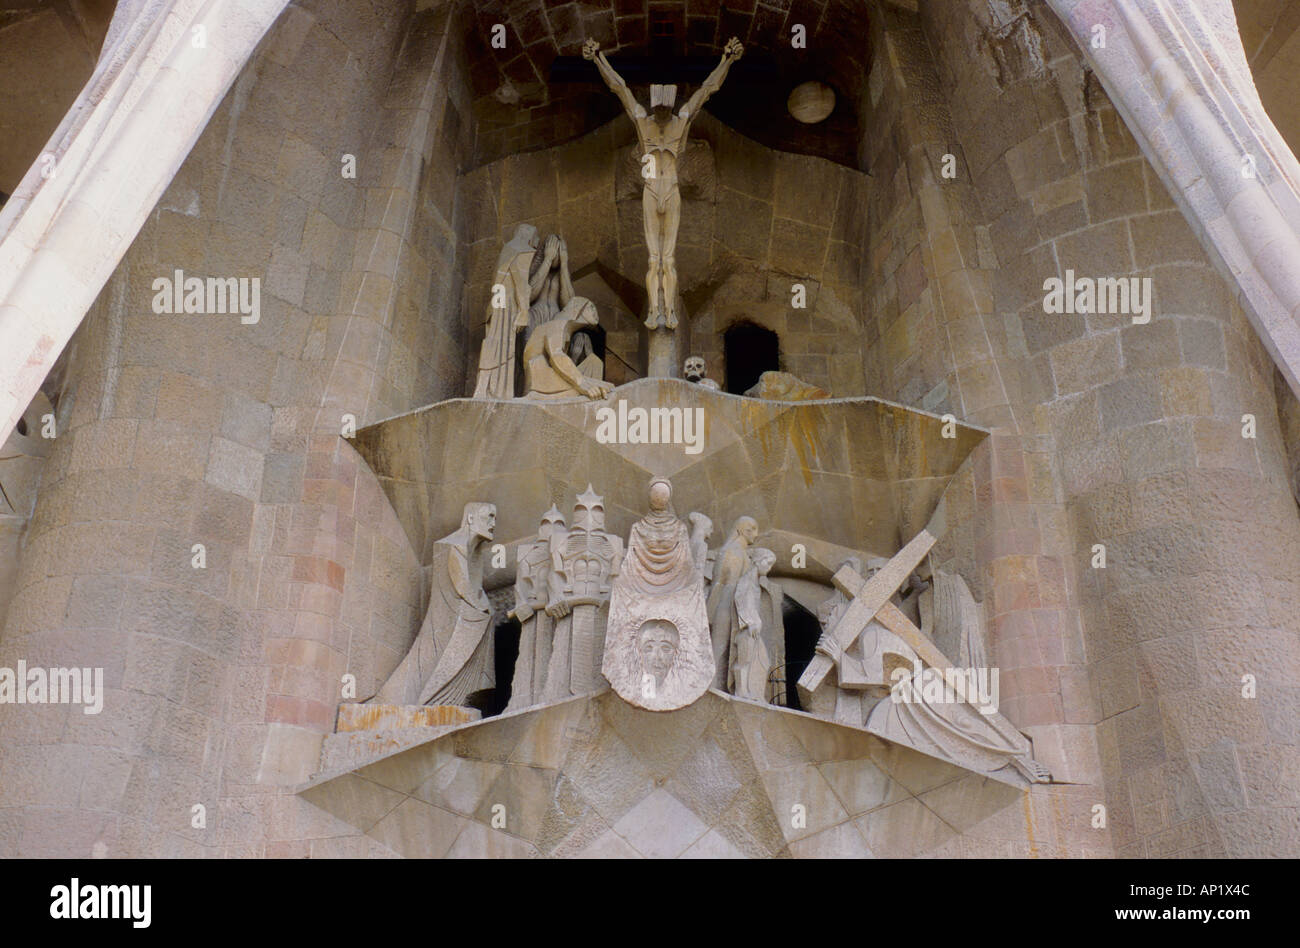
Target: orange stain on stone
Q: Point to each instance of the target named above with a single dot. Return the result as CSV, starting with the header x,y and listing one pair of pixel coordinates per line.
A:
x,y
1029,826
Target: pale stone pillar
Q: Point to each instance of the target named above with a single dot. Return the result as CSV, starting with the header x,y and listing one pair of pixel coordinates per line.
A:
x,y
164,69
1177,74
1136,435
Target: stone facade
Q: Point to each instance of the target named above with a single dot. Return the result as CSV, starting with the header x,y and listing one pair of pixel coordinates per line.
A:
x,y
985,157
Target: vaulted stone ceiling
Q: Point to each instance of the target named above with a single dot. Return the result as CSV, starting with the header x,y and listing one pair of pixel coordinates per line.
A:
x,y
538,92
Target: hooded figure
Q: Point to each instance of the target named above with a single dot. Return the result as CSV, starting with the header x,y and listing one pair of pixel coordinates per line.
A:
x,y
512,294
554,283
548,370
451,658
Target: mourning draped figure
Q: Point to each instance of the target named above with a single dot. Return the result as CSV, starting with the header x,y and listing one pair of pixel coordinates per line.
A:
x,y
549,275
508,311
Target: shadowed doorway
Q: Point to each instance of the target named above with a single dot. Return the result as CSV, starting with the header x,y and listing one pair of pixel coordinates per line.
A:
x,y
749,351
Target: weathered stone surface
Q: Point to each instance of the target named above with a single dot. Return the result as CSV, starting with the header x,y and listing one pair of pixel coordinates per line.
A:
x,y
374,717
620,782
997,160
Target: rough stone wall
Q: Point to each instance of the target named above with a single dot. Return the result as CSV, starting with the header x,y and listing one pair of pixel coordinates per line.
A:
x,y
1142,425
184,429
929,276
22,459
753,222
527,97
1288,411
783,219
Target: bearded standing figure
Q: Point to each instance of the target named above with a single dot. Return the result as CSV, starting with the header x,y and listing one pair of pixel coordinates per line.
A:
x,y
451,658
749,659
731,564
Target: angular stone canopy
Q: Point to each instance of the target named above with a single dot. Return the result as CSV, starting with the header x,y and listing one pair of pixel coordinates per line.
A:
x,y
595,777
862,473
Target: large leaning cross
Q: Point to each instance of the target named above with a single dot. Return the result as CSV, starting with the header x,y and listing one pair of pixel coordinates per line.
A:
x,y
870,600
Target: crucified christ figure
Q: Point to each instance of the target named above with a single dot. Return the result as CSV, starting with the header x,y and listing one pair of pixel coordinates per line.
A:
x,y
662,136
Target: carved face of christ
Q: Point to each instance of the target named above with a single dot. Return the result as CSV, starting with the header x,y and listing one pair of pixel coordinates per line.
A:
x,y
657,643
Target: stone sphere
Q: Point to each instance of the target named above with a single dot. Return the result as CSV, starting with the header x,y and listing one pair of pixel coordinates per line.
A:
x,y
811,102
660,495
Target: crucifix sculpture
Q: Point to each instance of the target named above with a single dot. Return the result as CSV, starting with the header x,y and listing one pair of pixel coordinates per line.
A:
x,y
662,136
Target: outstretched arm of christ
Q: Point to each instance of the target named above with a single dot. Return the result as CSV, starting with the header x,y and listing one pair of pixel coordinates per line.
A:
x,y
591,50
714,81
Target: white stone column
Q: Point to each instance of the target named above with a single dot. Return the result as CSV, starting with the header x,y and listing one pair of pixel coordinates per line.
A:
x,y
164,69
1176,71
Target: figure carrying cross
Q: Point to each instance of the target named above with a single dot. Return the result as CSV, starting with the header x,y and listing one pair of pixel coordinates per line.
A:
x,y
866,635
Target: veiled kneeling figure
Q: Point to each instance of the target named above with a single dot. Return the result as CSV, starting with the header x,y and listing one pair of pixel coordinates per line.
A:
x,y
548,370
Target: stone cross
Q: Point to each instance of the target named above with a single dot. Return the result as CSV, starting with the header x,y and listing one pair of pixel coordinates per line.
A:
x,y
870,600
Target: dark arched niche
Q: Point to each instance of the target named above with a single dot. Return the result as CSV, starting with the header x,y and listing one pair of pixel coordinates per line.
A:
x,y
749,350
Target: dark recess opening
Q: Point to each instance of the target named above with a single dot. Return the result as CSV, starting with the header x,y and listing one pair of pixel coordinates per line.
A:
x,y
749,351
664,39
506,653
802,630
